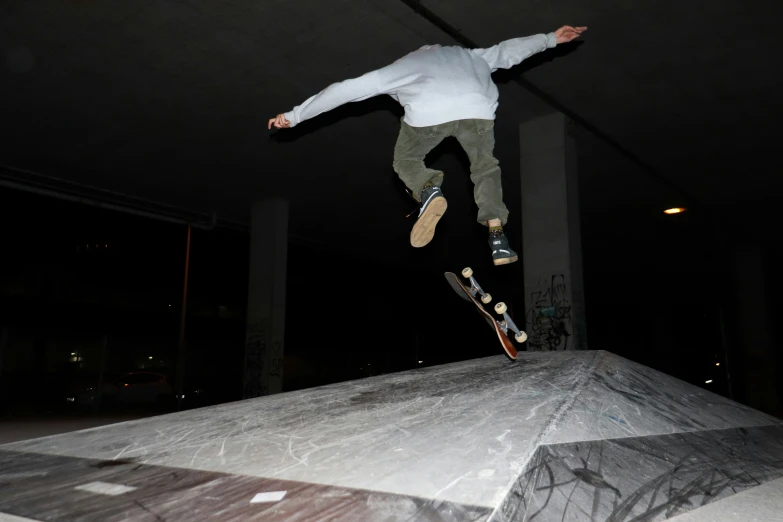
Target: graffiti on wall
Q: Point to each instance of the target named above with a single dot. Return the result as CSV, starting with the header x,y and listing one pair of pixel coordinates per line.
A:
x,y
276,360
548,318
263,362
255,382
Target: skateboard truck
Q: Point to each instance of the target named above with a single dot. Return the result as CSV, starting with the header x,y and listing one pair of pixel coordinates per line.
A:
x,y
508,324
474,289
500,308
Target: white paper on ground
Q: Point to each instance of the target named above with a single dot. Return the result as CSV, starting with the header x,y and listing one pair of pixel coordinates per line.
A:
x,y
269,496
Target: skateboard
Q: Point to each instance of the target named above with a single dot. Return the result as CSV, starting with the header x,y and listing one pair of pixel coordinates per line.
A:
x,y
500,327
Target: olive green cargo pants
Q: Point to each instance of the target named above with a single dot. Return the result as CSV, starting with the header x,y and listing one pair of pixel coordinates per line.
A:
x,y
477,138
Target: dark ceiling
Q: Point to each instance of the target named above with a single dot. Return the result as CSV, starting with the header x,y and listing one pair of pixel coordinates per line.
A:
x,y
168,100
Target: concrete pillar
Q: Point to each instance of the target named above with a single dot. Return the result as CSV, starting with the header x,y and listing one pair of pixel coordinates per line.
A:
x,y
551,243
263,372
3,342
757,353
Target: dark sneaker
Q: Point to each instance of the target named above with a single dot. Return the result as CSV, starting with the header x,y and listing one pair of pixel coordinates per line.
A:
x,y
433,206
501,252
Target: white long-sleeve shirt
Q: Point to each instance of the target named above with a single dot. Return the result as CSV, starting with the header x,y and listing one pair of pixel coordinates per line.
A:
x,y
434,84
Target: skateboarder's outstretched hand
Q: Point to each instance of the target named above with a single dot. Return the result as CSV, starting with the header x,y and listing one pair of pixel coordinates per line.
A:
x,y
280,122
567,33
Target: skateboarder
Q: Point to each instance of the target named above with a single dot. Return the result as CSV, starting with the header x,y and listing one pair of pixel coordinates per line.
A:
x,y
445,91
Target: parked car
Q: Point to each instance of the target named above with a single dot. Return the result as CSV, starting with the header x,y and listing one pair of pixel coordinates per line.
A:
x,y
130,388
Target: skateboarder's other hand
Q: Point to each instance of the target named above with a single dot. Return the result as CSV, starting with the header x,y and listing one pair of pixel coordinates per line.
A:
x,y
280,122
567,33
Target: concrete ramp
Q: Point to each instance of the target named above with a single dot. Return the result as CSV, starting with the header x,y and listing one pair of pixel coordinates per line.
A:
x,y
552,436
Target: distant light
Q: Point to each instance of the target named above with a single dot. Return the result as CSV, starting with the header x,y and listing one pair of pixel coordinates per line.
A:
x,y
707,382
717,364
421,362
150,358
73,353
169,306
675,210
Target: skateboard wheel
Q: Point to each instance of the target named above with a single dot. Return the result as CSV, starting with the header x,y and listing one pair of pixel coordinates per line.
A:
x,y
467,272
521,338
486,298
501,308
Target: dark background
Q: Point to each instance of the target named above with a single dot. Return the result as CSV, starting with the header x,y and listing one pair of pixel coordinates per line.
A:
x,y
159,111
660,292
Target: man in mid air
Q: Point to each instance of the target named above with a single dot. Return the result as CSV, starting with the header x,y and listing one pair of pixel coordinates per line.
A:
x,y
445,91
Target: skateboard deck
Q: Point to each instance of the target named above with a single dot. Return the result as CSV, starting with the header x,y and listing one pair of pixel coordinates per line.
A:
x,y
464,292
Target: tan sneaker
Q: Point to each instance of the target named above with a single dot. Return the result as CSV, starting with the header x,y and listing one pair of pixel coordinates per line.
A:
x,y
433,207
